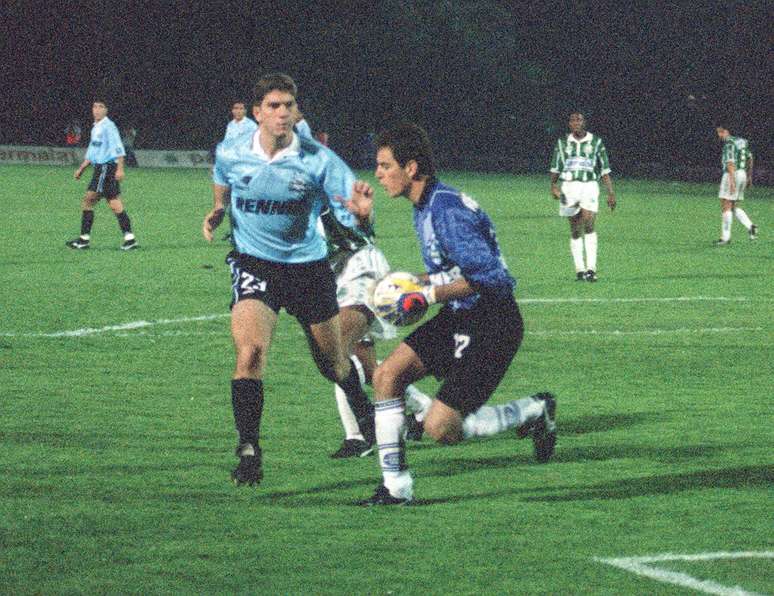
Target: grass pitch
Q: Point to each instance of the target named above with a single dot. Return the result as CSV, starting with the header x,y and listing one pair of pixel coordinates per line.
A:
x,y
117,432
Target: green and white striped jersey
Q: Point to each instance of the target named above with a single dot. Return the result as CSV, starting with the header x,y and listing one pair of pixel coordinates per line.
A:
x,y
736,150
584,160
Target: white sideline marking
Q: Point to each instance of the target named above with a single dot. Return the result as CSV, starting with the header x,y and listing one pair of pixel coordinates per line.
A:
x,y
640,566
142,324
617,332
618,300
122,327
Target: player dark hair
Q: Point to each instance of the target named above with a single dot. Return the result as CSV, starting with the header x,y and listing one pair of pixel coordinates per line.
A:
x,y
409,141
275,81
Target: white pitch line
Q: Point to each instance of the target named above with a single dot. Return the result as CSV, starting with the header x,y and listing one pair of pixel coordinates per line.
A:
x,y
122,327
639,566
618,332
86,331
624,300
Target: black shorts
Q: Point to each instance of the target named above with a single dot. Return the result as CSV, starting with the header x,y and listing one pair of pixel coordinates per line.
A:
x,y
469,351
305,290
103,181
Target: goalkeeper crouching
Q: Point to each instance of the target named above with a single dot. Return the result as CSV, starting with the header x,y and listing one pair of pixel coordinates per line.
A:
x,y
470,343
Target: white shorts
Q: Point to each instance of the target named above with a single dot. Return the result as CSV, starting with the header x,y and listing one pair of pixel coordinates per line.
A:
x,y
580,195
356,276
740,177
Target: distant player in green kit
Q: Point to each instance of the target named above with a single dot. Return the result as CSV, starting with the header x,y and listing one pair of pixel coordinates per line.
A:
x,y
580,159
736,160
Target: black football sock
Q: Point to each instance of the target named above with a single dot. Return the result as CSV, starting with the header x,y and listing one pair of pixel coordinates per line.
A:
x,y
358,400
87,220
124,223
247,403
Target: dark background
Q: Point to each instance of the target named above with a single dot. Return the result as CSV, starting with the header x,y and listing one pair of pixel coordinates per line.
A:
x,y
493,82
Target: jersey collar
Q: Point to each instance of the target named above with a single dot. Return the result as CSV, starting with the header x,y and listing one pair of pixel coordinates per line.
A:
x,y
427,191
570,137
293,149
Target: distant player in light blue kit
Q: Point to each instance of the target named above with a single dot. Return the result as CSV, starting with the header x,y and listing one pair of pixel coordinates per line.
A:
x,y
240,124
471,342
279,183
106,152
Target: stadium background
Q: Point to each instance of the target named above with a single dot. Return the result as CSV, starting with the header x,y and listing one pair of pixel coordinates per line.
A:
x,y
491,81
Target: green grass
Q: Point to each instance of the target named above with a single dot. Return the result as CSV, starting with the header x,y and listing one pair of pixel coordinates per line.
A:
x,y
117,444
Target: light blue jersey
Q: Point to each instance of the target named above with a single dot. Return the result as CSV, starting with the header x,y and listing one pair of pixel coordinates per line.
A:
x,y
244,126
275,203
105,143
304,130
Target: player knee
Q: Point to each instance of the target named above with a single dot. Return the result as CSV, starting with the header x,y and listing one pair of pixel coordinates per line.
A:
x,y
386,381
444,432
250,356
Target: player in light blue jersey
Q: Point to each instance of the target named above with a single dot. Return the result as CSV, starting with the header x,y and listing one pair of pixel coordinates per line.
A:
x,y
106,152
240,124
278,184
471,342
735,162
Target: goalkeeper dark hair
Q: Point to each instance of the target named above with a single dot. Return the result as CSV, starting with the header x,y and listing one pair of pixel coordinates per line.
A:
x,y
275,81
409,141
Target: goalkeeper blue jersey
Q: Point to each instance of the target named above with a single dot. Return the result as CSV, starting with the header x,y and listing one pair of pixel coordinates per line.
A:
x,y
275,203
458,239
105,143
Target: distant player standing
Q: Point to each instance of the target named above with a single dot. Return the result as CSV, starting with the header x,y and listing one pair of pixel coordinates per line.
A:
x,y
579,160
278,185
735,161
471,342
240,124
106,152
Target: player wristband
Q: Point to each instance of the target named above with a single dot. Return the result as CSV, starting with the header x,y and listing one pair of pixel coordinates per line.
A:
x,y
429,293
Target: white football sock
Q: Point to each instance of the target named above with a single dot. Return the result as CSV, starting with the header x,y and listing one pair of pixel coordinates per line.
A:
x,y
417,402
743,218
390,422
725,228
576,248
490,420
590,240
348,420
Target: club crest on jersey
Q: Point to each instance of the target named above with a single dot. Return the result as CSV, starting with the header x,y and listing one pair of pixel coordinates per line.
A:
x,y
299,186
587,150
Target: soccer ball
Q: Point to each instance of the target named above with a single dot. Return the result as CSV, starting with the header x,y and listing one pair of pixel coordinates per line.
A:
x,y
398,299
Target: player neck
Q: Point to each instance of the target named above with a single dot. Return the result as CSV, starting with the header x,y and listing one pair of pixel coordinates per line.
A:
x,y
273,144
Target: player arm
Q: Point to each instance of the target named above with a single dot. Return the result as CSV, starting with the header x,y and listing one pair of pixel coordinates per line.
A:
x,y
607,180
750,171
84,164
556,192
120,168
220,197
731,169
461,239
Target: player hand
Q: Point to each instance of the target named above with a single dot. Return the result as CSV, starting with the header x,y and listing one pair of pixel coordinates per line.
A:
x,y
119,174
361,203
78,173
611,202
211,221
412,304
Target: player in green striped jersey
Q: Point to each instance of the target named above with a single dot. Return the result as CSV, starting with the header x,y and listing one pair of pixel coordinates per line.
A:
x,y
735,162
580,160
